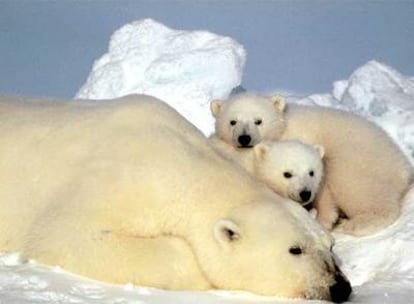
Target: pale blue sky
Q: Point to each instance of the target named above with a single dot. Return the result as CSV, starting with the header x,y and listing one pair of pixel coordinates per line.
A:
x,y
47,47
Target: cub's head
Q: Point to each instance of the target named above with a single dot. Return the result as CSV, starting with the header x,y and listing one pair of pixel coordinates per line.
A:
x,y
291,168
274,250
245,120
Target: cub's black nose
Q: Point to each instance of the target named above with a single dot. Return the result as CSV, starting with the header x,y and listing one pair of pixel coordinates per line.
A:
x,y
244,140
341,290
305,195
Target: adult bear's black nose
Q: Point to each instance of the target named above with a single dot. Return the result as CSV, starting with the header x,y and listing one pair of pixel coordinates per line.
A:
x,y
305,195
341,290
244,140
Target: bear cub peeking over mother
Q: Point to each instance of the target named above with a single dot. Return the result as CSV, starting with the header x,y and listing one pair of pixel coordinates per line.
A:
x,y
127,190
366,174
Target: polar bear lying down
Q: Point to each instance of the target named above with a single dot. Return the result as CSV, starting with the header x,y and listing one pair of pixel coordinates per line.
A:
x,y
128,191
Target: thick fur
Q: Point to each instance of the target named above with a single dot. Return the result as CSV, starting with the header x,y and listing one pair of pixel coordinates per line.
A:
x,y
366,174
127,190
289,167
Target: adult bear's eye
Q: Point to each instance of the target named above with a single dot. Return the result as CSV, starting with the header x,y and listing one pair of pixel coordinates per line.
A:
x,y
287,174
258,122
233,122
295,250
311,173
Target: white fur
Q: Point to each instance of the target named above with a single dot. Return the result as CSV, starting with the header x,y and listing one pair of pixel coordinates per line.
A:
x,y
366,175
127,190
271,161
291,168
233,121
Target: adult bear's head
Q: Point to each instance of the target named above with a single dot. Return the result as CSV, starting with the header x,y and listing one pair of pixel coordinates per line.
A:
x,y
275,249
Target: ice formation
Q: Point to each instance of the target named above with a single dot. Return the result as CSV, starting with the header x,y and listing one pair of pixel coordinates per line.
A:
x,y
187,69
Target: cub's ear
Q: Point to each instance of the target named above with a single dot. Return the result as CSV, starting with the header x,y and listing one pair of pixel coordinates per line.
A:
x,y
260,151
226,231
278,102
215,107
320,149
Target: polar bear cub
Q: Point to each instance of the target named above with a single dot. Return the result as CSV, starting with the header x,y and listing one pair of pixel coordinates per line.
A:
x,y
366,174
289,167
243,122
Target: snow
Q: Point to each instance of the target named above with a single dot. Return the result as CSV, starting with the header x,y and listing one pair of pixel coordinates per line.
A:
x,y
188,70
181,67
26,282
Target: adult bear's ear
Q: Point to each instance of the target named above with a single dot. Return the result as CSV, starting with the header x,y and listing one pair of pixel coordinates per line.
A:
x,y
278,102
320,149
260,151
226,231
215,107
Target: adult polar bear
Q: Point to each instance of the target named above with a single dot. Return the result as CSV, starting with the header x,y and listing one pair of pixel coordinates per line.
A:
x,y
366,175
129,191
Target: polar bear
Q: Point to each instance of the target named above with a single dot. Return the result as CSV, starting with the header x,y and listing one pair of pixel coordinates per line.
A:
x,y
366,174
289,167
127,190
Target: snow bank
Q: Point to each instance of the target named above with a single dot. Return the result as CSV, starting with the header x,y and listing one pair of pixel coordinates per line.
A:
x,y
187,69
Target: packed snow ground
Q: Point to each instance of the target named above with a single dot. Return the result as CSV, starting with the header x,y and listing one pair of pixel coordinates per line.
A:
x,y
188,70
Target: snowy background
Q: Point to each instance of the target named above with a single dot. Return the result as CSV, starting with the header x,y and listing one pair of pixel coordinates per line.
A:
x,y
188,69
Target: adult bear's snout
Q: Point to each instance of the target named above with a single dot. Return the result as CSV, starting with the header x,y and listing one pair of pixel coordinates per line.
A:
x,y
341,289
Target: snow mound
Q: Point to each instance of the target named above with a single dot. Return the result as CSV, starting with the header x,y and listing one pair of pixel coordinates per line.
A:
x,y
370,87
380,94
187,69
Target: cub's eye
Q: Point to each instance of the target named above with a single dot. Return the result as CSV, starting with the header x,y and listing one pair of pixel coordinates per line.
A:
x,y
295,250
287,174
233,122
311,173
258,122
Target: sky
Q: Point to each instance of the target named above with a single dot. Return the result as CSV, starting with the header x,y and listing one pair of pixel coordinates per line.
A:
x,y
47,47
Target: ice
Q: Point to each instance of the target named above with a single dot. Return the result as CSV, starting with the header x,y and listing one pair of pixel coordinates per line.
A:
x,y
187,69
